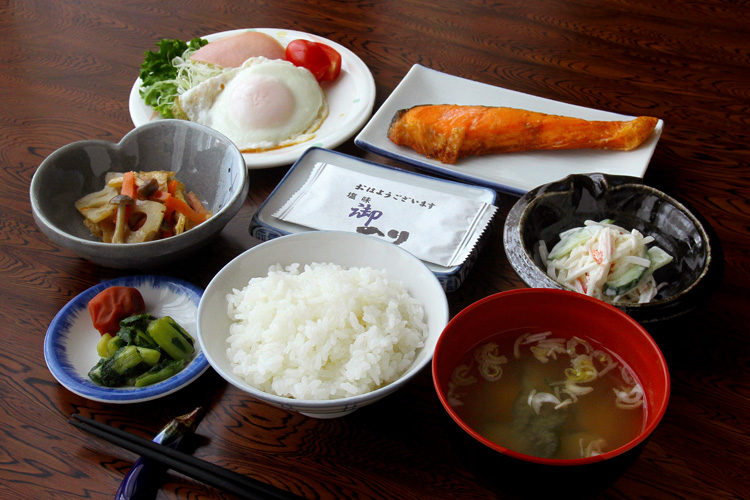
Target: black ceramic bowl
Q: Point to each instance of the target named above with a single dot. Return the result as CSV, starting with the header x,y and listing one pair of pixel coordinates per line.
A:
x,y
544,212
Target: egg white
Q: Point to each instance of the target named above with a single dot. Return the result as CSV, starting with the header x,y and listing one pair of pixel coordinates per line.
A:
x,y
260,105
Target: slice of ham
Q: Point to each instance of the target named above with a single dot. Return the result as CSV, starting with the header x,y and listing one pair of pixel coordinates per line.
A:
x,y
232,51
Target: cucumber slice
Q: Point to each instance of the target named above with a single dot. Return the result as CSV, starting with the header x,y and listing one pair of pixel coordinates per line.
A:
x,y
630,276
565,246
659,258
627,280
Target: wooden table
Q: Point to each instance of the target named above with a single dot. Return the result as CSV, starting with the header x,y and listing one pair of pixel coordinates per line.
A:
x,y
67,69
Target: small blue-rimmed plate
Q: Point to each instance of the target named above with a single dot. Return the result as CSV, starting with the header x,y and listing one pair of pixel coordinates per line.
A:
x,y
70,343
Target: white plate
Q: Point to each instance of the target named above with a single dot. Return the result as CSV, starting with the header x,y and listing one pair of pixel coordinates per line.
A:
x,y
70,343
515,173
350,100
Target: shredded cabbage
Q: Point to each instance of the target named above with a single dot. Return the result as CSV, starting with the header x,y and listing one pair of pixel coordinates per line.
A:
x,y
190,73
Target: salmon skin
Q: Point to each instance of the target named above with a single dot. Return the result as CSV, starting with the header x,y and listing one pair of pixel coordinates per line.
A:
x,y
448,132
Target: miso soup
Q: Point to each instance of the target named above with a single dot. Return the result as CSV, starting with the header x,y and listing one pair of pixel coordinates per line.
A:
x,y
548,396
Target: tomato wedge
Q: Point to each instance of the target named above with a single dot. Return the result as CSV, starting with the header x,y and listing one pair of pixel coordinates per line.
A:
x,y
323,61
334,62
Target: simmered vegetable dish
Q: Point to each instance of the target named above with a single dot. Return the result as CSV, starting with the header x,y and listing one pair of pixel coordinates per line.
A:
x,y
134,207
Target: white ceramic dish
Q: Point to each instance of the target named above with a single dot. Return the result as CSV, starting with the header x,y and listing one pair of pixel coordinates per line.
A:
x,y
515,173
70,343
265,226
338,247
350,100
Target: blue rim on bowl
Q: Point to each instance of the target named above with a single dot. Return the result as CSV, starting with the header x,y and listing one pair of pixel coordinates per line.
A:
x,y
184,297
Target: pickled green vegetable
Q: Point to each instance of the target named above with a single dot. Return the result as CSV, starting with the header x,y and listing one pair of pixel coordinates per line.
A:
x,y
126,359
114,371
146,350
137,320
143,339
180,329
114,344
170,339
160,372
101,346
149,356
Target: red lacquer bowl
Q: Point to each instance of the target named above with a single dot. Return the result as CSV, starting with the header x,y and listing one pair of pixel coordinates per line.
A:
x,y
566,314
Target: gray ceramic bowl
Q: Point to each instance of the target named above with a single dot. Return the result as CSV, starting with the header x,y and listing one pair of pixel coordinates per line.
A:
x,y
203,159
546,211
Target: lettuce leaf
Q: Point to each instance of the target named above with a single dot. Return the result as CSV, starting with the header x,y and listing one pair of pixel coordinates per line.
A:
x,y
158,74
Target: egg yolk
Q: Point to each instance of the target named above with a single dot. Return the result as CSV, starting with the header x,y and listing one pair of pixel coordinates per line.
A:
x,y
261,102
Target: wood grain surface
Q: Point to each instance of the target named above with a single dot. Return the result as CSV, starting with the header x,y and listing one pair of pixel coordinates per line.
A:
x,y
66,70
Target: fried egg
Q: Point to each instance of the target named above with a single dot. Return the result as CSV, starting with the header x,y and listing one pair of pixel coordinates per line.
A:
x,y
260,105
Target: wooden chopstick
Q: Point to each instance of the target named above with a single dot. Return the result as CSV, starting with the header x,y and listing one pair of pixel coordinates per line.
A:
x,y
196,468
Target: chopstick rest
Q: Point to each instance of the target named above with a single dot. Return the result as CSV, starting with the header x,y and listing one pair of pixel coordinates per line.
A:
x,y
196,468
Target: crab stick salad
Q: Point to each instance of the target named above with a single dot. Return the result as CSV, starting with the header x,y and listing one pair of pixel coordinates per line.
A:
x,y
605,261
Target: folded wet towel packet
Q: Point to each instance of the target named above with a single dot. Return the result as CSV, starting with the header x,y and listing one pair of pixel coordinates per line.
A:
x,y
434,226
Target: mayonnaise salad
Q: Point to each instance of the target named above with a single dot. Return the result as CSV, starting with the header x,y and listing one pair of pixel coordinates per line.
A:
x,y
605,261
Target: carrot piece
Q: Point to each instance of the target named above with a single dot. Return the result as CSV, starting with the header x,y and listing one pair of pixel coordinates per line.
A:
x,y
183,208
196,204
172,186
168,215
128,185
162,197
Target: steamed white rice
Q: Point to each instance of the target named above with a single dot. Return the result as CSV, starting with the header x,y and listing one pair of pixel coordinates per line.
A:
x,y
323,331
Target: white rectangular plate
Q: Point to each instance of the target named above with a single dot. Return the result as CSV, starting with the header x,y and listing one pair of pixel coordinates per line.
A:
x,y
514,173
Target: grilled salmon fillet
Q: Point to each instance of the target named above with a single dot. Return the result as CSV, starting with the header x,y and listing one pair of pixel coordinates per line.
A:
x,y
448,132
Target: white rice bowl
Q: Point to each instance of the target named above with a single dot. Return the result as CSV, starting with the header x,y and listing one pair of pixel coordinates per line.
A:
x,y
321,331
346,249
